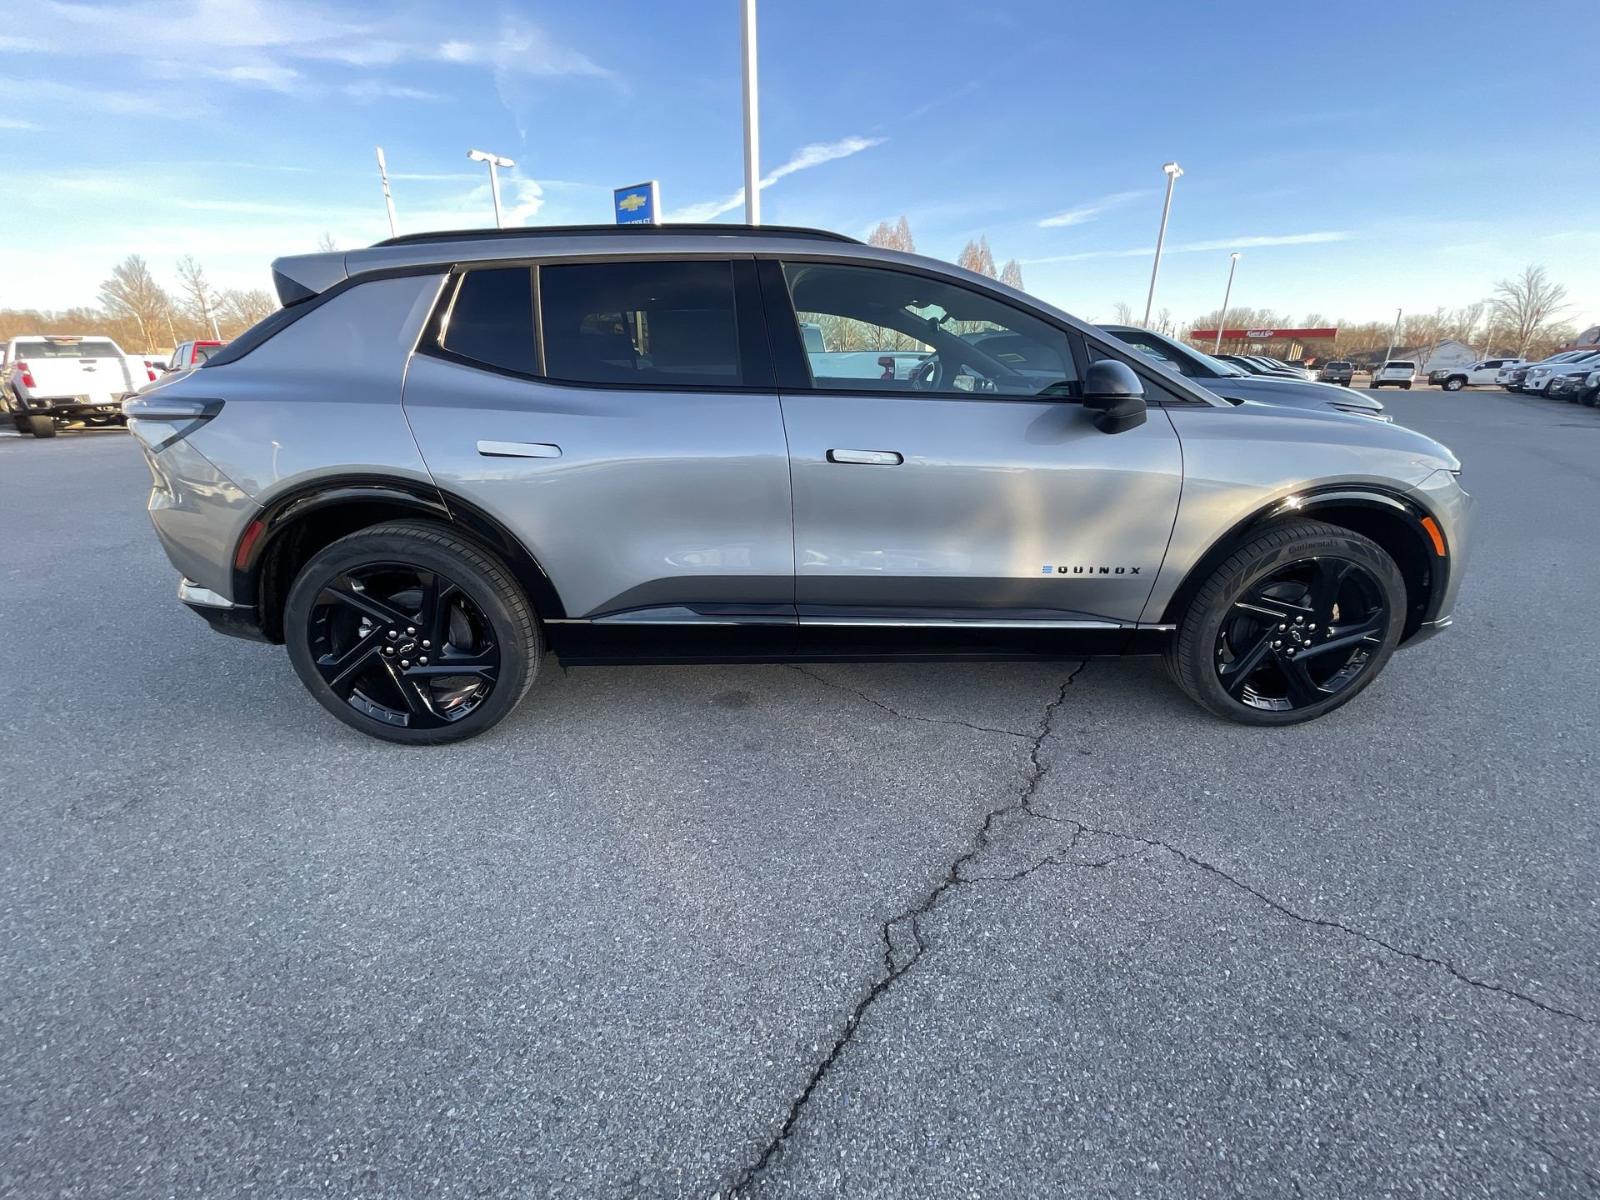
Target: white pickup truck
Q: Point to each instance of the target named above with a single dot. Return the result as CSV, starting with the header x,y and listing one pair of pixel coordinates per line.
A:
x,y
49,380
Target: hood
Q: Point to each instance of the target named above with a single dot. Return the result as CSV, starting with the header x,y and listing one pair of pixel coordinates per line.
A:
x,y
1352,430
1294,393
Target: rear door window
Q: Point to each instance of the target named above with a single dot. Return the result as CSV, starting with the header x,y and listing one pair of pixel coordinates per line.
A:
x,y
641,324
491,320
67,348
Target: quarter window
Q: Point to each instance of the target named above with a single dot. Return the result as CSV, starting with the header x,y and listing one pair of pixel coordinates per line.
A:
x,y
491,321
640,323
866,328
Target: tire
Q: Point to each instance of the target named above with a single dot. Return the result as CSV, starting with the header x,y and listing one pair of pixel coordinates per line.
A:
x,y
493,612
1405,387
1587,399
1195,655
1374,386
1454,384
41,427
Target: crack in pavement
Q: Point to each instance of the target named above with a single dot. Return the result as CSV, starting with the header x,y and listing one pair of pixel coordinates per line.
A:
x,y
895,965
904,943
1576,1168
1323,922
892,711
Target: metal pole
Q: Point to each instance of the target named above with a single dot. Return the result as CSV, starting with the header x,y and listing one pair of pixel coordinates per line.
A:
x,y
1222,319
1173,170
1394,335
388,200
752,131
494,190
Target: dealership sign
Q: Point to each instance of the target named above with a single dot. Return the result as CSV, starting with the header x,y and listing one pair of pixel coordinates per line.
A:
x,y
1266,335
639,204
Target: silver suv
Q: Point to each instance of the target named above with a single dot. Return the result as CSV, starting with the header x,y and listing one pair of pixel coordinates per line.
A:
x,y
448,454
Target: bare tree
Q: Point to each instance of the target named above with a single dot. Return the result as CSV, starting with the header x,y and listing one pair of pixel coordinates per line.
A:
x,y
1422,333
893,237
326,242
237,310
1011,274
976,256
1122,314
200,299
1526,305
132,292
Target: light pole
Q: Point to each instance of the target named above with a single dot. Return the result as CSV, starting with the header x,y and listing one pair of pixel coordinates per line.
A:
x,y
752,131
494,161
388,200
1394,334
1172,170
1222,318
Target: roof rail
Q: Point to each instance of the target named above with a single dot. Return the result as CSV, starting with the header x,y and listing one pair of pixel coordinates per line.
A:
x,y
637,230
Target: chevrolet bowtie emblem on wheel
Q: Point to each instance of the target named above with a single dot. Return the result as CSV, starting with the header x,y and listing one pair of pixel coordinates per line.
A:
x,y
1049,570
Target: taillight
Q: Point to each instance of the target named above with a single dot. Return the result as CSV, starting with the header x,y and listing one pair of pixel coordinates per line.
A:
x,y
27,375
150,370
159,420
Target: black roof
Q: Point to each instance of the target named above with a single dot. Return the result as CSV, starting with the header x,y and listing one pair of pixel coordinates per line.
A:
x,y
639,230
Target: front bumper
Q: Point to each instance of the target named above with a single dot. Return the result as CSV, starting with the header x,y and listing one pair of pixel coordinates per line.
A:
x,y
1442,497
222,614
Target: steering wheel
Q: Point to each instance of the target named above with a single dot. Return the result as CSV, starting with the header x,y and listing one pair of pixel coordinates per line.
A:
x,y
929,375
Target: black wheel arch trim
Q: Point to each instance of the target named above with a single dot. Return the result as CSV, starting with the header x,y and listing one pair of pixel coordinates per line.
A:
x,y
1307,504
266,530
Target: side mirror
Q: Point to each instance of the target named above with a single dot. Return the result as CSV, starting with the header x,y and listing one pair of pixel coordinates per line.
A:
x,y
1114,394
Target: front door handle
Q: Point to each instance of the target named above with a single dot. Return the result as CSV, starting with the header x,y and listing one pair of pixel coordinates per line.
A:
x,y
519,450
867,458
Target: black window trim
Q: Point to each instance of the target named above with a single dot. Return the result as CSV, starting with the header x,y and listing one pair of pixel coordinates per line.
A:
x,y
755,359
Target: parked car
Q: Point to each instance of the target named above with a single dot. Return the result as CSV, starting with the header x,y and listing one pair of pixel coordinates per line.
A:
x,y
1337,370
1397,372
192,354
1256,366
1277,364
1484,373
1235,383
1512,377
637,460
1590,392
54,380
1539,376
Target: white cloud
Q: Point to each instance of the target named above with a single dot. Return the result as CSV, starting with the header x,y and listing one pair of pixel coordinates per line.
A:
x,y
256,43
1091,210
812,155
368,90
16,123
1241,243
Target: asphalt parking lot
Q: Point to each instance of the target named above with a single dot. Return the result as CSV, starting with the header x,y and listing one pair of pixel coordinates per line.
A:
x,y
861,930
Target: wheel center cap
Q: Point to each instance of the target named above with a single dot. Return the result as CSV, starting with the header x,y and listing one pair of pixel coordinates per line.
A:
x,y
405,645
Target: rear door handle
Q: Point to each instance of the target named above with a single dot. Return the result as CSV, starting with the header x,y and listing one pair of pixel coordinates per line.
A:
x,y
867,458
519,450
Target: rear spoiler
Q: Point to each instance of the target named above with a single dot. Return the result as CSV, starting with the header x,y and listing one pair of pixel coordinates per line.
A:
x,y
301,277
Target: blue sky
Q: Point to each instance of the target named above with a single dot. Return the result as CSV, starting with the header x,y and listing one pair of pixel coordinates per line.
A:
x,y
1379,156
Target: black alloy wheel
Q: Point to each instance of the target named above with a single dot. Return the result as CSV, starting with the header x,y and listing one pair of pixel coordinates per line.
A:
x,y
1301,635
411,634
1291,625
403,645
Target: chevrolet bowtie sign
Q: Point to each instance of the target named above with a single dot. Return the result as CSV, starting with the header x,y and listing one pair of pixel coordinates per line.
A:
x,y
639,204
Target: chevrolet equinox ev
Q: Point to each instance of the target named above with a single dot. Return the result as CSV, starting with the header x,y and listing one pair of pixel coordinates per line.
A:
x,y
449,454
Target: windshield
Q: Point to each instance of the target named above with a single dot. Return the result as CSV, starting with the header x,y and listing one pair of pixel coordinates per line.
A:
x,y
67,348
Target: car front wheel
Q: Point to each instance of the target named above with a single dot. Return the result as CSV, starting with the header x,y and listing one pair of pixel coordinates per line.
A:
x,y
1290,626
1454,385
408,633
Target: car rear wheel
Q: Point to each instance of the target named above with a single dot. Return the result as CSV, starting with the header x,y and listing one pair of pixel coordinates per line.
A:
x,y
408,633
41,427
1405,387
1290,626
